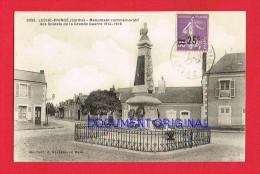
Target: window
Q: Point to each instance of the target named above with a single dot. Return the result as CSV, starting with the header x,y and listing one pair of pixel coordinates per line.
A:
x,y
22,112
227,110
225,89
23,90
171,114
224,85
184,115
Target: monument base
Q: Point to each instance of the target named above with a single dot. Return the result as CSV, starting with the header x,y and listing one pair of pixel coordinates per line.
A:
x,y
149,105
139,89
143,99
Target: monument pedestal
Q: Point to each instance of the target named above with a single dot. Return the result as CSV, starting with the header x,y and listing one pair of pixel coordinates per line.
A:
x,y
143,84
149,105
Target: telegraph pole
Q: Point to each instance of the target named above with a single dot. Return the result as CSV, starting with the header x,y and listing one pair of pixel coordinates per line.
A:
x,y
47,117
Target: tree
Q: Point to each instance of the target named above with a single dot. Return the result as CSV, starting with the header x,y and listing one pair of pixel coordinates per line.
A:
x,y
101,102
51,108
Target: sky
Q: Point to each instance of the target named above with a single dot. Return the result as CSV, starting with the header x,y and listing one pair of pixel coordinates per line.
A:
x,y
80,59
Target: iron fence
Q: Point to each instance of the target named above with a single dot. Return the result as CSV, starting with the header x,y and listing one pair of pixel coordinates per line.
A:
x,y
146,140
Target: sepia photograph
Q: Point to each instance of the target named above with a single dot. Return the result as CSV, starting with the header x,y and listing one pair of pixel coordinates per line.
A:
x,y
157,86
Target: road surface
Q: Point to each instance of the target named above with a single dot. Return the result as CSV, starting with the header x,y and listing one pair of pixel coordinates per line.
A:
x,y
58,145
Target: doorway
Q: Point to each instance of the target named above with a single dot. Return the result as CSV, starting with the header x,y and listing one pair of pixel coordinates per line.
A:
x,y
78,114
224,116
37,115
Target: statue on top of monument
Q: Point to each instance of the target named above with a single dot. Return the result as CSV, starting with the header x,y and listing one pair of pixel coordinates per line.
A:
x,y
143,32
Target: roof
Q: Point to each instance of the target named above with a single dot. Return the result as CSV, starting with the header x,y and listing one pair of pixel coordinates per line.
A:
x,y
29,76
171,95
81,98
180,95
229,63
124,93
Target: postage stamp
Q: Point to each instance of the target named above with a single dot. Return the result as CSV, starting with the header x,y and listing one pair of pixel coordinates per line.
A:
x,y
192,32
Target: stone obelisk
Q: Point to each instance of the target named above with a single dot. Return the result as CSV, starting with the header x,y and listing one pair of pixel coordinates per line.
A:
x,y
143,89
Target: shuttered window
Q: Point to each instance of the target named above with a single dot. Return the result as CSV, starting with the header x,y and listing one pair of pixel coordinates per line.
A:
x,y
23,92
225,89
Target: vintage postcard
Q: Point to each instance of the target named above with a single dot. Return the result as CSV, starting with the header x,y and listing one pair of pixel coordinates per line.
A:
x,y
129,86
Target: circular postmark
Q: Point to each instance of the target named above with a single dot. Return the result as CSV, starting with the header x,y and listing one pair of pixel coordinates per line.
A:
x,y
190,63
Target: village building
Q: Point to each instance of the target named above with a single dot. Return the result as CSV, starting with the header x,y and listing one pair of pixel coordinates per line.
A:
x,y
224,91
79,101
29,96
73,108
176,102
66,109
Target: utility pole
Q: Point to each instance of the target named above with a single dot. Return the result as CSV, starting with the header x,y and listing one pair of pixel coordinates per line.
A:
x,y
47,117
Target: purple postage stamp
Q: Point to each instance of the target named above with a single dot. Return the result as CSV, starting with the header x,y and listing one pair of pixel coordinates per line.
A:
x,y
192,32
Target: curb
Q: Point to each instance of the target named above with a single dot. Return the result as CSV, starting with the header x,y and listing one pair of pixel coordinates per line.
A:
x,y
42,128
156,155
227,131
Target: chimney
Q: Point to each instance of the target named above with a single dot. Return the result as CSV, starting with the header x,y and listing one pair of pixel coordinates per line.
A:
x,y
161,86
113,88
42,71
